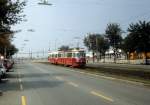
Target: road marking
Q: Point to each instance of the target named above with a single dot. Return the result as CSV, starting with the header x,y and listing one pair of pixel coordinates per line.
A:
x,y
111,78
23,100
102,96
21,87
73,84
59,78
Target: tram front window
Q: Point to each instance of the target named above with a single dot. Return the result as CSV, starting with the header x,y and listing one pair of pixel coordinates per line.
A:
x,y
80,54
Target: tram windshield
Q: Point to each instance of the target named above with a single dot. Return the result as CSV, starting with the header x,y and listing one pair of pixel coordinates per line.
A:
x,y
80,54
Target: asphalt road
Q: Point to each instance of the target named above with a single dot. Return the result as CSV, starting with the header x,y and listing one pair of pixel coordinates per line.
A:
x,y
39,84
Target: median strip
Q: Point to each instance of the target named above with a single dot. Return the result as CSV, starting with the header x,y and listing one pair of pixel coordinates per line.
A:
x,y
102,96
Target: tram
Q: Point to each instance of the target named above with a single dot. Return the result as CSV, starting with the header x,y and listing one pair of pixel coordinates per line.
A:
x,y
72,58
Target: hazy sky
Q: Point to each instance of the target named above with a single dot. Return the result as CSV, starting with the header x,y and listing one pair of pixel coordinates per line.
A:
x,y
60,23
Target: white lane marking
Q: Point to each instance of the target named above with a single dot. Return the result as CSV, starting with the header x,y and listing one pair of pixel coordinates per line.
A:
x,y
59,78
73,84
102,96
21,87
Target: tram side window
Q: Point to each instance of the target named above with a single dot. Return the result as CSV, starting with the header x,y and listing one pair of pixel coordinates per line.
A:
x,y
80,54
59,55
77,55
69,54
55,55
52,55
74,55
62,55
65,55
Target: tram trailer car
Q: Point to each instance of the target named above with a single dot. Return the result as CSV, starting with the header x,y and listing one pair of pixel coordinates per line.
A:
x,y
73,58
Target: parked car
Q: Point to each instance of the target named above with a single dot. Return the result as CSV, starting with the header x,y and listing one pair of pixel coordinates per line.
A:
x,y
7,64
2,70
1,74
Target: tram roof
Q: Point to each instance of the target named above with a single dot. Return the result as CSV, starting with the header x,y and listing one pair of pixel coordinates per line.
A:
x,y
61,51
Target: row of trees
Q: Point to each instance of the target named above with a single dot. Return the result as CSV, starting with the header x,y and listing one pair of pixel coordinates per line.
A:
x,y
10,14
137,39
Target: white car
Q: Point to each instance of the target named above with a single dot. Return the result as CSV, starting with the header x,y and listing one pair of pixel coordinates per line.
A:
x,y
1,74
2,70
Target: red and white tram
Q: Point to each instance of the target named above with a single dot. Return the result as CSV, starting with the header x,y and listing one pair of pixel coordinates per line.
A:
x,y
73,58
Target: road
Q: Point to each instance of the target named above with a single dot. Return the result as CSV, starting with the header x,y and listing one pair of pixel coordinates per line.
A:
x,y
40,84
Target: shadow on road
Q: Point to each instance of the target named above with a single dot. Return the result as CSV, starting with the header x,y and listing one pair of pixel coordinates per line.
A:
x,y
29,81
40,75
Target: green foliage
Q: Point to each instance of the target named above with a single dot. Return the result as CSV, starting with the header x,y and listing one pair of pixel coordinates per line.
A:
x,y
10,14
64,48
96,43
138,38
113,33
11,50
102,44
90,42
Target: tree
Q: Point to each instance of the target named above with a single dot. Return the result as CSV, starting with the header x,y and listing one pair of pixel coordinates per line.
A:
x,y
90,43
113,33
11,50
102,45
64,48
138,38
10,14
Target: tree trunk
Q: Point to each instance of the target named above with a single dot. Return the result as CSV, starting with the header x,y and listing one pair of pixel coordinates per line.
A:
x,y
128,58
104,59
100,56
146,60
114,56
93,57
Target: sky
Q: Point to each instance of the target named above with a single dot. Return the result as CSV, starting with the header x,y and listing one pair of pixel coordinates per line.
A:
x,y
67,22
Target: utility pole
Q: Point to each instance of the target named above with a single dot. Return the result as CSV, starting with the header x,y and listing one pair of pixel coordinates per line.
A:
x,y
43,52
55,43
49,46
77,38
5,53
